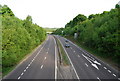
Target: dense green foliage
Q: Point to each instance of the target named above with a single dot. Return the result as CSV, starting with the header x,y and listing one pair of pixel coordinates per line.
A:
x,y
19,37
98,31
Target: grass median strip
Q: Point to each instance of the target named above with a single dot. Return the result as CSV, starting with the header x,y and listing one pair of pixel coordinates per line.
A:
x,y
62,54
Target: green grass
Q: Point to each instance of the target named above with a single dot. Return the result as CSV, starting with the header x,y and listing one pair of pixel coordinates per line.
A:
x,y
50,29
7,70
65,60
108,60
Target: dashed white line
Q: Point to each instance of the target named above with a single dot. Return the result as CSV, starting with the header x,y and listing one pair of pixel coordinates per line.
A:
x,y
86,64
41,66
22,74
19,77
74,51
114,75
29,64
118,78
34,57
98,78
109,71
105,68
47,52
26,67
33,60
45,58
48,49
78,55
24,70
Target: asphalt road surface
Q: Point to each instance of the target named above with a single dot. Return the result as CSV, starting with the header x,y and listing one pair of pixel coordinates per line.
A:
x,y
40,65
87,66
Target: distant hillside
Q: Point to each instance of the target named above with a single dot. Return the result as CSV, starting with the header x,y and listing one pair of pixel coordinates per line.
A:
x,y
50,29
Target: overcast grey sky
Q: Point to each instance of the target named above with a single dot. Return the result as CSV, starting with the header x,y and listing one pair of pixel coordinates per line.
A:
x,y
56,13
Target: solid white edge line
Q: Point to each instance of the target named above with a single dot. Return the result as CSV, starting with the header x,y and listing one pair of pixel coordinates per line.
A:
x,y
55,60
70,61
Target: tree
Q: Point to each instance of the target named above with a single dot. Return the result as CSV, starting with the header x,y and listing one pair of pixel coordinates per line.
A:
x,y
117,6
6,11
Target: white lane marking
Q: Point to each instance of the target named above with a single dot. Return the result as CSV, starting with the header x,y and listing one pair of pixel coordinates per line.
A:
x,y
70,61
48,49
22,74
118,78
78,55
109,71
26,67
29,64
114,75
97,62
47,52
33,59
74,51
86,64
55,60
41,66
24,70
94,65
45,58
105,68
19,77
92,59
98,78
85,53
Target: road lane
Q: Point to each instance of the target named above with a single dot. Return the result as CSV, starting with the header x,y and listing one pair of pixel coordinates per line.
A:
x,y
40,65
89,72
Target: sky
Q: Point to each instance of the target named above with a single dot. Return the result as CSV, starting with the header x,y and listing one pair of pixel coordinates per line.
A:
x,y
57,13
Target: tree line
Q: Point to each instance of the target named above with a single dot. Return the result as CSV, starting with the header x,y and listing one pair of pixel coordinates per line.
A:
x,y
19,37
98,31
